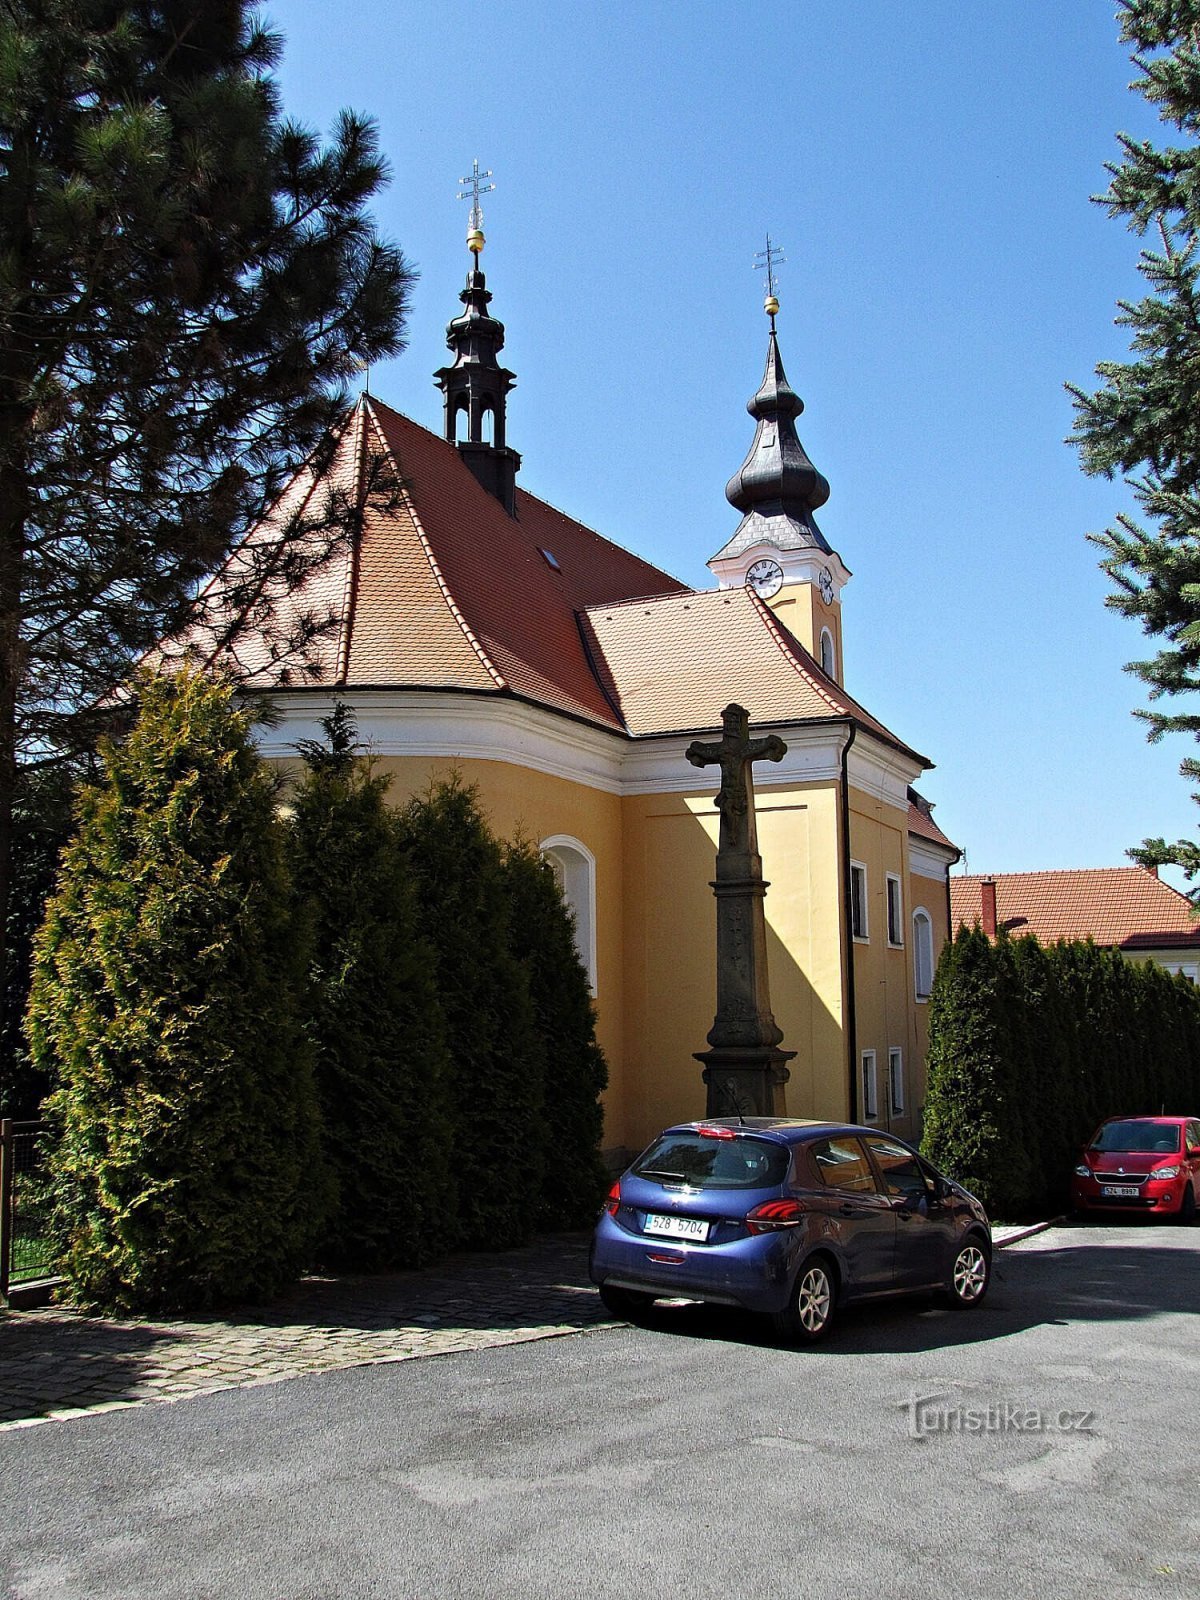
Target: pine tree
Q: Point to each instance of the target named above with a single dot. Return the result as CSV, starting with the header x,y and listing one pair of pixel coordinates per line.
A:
x,y
1143,422
374,1013
164,1003
497,1065
188,283
573,1180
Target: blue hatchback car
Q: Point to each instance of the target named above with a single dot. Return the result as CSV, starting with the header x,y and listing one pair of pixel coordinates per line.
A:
x,y
788,1218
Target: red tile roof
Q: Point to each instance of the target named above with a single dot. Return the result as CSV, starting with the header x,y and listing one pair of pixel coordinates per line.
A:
x,y
921,822
1123,907
446,590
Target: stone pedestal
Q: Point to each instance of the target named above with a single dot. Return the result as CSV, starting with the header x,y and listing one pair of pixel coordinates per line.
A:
x,y
745,1083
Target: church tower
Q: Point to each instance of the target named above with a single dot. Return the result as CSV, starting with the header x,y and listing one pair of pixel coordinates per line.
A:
x,y
475,385
778,548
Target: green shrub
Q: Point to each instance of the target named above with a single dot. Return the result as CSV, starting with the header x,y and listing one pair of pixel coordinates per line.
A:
x,y
374,1015
496,1053
164,1006
543,938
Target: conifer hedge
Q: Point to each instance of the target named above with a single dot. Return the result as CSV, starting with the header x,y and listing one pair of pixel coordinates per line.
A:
x,y
165,1004
1031,1046
321,1034
497,1054
375,1016
543,939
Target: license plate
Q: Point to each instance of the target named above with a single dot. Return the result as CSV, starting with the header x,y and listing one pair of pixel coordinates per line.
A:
x,y
676,1227
1120,1191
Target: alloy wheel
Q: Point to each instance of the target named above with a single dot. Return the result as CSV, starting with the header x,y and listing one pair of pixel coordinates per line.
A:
x,y
970,1274
814,1299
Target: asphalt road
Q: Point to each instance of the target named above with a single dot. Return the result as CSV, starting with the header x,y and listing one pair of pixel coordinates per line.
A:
x,y
1056,1453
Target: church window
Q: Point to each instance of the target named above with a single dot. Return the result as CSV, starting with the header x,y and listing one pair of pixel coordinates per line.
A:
x,y
858,900
460,418
895,914
922,952
827,658
487,424
574,868
896,1080
870,1091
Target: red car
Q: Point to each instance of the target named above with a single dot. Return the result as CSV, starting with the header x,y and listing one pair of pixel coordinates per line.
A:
x,y
1141,1164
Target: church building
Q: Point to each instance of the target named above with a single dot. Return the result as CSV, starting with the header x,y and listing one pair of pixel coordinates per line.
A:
x,y
477,628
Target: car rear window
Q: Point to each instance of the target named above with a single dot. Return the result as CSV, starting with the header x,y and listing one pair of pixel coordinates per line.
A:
x,y
1137,1136
739,1162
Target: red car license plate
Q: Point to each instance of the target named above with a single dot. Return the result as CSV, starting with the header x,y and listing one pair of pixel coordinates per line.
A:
x,y
1120,1191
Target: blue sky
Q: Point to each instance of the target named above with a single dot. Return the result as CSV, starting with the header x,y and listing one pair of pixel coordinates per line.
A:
x,y
927,169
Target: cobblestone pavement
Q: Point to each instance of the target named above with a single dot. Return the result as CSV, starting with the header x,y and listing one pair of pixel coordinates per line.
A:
x,y
56,1363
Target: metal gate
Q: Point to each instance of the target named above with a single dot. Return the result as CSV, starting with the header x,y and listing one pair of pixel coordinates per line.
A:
x,y
25,1252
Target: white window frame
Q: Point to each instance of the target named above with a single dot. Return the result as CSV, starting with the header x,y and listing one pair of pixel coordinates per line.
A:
x,y
896,1080
865,936
896,922
922,954
870,1087
575,869
829,670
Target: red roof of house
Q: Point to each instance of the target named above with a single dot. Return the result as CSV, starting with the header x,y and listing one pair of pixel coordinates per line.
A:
x,y
920,822
1126,908
446,590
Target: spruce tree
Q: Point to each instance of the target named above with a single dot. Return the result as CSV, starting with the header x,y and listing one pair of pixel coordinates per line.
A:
x,y
1143,422
188,284
374,1015
573,1180
186,1172
497,1065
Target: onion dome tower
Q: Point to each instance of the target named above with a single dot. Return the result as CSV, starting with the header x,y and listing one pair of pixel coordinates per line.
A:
x,y
475,385
777,547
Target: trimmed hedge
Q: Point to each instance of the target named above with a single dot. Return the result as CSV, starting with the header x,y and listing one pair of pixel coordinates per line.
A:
x,y
1031,1046
165,1003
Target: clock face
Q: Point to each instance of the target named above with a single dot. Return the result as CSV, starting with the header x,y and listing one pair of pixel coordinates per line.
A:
x,y
765,577
825,584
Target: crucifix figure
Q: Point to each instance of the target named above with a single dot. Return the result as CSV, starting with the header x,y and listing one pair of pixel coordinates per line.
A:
x,y
744,1069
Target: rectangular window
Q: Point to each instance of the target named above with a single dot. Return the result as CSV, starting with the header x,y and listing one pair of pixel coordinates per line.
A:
x,y
896,1080
895,911
870,1092
858,900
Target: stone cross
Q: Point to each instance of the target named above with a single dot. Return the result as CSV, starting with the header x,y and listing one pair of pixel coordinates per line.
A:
x,y
744,1070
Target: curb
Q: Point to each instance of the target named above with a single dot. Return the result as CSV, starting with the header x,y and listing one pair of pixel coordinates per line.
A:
x,y
1027,1233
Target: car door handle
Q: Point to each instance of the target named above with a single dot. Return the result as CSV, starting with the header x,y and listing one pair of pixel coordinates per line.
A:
x,y
848,1210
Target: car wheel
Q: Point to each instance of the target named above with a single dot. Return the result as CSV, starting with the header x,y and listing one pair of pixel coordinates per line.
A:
x,y
971,1273
1187,1206
814,1300
628,1304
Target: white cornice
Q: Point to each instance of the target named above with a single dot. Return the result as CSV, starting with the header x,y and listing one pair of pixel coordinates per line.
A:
x,y
466,727
930,860
881,771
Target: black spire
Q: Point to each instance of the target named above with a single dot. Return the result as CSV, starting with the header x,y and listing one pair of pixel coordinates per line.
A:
x,y
476,385
777,487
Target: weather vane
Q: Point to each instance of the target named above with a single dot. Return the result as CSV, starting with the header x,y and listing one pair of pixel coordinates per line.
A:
x,y
472,188
767,261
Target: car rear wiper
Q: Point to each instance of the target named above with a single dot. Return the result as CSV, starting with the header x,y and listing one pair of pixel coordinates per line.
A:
x,y
653,1172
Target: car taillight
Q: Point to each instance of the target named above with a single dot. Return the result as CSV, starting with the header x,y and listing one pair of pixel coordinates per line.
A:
x,y
775,1214
716,1133
613,1202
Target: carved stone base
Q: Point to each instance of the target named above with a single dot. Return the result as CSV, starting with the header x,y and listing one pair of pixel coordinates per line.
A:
x,y
745,1082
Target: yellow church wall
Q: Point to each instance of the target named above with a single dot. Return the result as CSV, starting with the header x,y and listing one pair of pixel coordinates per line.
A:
x,y
803,613
931,894
883,984
670,844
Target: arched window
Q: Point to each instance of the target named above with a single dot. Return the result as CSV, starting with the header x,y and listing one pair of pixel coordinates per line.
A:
x,y
574,867
459,429
487,423
828,661
923,952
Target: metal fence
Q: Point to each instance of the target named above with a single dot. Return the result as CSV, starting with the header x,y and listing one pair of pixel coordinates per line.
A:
x,y
24,1240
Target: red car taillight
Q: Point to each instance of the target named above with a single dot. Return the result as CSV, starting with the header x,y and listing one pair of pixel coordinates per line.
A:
x,y
773,1215
613,1202
716,1133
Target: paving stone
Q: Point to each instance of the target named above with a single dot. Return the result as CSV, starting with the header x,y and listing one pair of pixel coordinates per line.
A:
x,y
57,1364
